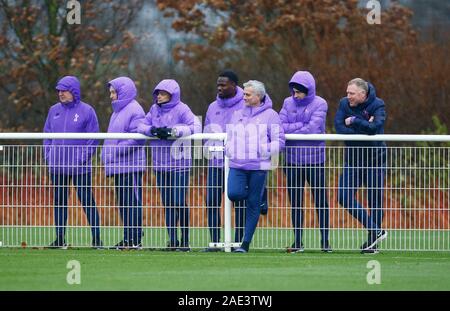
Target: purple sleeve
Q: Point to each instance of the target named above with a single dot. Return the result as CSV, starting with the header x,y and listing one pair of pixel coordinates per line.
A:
x,y
288,127
316,123
126,144
189,124
144,125
276,136
207,119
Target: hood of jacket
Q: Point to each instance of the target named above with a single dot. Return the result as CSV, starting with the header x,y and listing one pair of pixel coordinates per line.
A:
x,y
170,86
126,92
306,79
71,84
371,96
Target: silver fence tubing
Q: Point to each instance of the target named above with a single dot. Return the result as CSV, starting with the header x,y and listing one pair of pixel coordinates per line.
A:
x,y
133,194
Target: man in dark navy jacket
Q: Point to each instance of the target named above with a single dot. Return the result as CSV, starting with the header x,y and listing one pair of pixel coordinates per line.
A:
x,y
361,112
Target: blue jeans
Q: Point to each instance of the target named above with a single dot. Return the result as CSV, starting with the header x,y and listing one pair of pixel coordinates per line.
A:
x,y
173,187
315,176
214,202
351,179
84,192
249,186
129,199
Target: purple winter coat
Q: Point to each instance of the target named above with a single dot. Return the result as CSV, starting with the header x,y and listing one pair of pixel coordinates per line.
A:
x,y
170,155
124,155
70,156
218,116
305,116
253,136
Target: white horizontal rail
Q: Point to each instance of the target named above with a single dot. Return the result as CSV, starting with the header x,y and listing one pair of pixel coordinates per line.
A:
x,y
222,136
217,136
384,137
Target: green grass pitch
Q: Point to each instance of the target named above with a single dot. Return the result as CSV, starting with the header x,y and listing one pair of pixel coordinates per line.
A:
x,y
45,269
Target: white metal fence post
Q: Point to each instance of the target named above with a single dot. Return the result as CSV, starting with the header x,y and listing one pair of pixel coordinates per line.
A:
x,y
227,206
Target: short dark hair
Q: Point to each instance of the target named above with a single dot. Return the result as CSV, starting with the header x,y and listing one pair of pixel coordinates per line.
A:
x,y
299,87
231,75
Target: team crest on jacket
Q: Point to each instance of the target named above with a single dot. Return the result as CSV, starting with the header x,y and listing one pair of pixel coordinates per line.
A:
x,y
75,119
366,115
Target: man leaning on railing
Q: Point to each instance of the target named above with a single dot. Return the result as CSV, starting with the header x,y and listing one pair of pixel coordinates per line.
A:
x,y
170,117
361,112
254,135
305,113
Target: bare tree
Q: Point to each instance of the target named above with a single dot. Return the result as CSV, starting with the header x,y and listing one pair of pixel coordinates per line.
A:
x,y
38,46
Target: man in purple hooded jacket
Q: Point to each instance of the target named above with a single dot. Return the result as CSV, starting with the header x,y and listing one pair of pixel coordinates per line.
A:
x,y
254,135
169,117
125,159
71,159
305,113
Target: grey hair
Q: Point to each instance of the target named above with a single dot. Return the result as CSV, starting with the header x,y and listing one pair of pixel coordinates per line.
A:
x,y
258,86
360,83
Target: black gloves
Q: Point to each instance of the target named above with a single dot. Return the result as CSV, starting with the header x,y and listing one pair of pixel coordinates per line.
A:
x,y
161,132
164,132
154,131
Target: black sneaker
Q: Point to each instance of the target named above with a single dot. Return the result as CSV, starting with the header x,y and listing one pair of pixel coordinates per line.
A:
x,y
364,246
374,238
97,244
58,243
171,247
135,246
373,250
240,250
121,245
183,249
295,248
326,248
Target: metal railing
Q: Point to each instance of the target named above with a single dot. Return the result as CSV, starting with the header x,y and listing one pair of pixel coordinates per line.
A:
x,y
415,200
